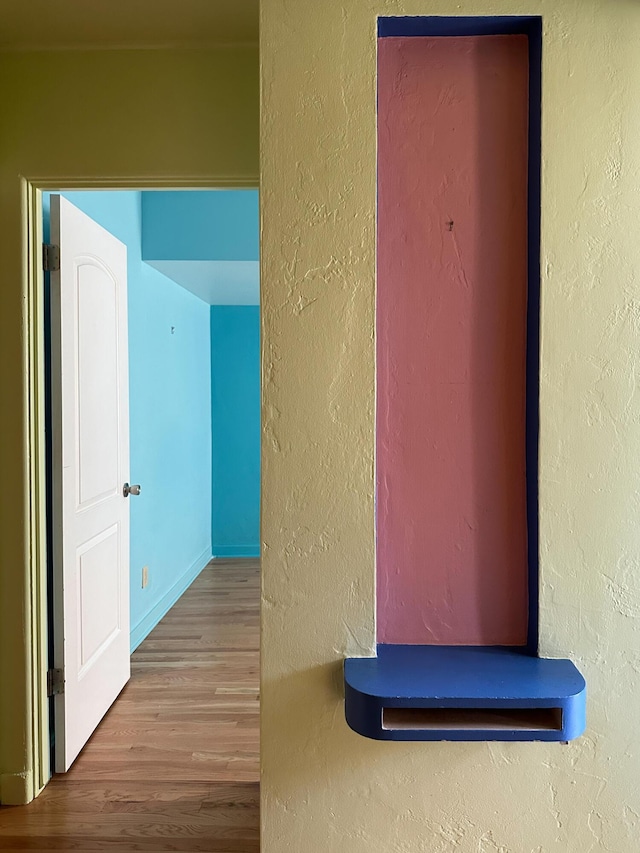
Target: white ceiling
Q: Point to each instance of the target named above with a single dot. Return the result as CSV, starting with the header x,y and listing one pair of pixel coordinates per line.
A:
x,y
46,24
216,282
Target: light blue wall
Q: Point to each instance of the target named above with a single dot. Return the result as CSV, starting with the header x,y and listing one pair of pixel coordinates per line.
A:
x,y
170,414
221,227
235,401
200,225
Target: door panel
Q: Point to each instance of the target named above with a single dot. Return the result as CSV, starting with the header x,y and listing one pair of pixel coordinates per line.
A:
x,y
97,382
90,441
96,582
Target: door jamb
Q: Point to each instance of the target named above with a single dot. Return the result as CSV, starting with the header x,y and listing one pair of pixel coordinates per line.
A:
x,y
37,659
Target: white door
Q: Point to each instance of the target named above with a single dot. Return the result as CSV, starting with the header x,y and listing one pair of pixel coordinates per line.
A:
x,y
90,440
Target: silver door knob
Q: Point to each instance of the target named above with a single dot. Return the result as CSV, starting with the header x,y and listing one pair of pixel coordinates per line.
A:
x,y
130,490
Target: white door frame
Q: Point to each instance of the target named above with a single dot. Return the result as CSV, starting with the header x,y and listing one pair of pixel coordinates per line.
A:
x,y
36,440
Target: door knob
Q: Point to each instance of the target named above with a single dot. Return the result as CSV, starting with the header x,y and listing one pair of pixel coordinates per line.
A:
x,y
130,490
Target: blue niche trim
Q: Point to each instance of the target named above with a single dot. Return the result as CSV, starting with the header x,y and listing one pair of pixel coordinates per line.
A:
x,y
463,693
440,25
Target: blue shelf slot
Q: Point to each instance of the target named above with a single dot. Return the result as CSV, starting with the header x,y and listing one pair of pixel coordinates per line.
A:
x,y
463,693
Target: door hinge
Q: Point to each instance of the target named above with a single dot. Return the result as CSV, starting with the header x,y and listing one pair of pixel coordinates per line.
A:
x,y
50,257
55,682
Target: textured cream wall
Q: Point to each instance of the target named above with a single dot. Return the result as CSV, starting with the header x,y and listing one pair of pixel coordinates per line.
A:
x,y
325,789
173,116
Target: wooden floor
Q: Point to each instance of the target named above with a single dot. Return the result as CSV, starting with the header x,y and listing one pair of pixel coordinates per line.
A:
x,y
174,764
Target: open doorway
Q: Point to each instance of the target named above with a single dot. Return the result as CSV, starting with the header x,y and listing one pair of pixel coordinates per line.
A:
x,y
189,714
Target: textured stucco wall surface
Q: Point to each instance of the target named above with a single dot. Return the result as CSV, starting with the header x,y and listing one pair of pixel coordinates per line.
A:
x,y
103,116
325,789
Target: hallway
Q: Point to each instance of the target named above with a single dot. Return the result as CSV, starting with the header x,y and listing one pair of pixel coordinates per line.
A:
x,y
175,764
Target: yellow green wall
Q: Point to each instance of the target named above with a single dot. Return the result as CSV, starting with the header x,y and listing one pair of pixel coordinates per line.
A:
x,y
325,789
180,117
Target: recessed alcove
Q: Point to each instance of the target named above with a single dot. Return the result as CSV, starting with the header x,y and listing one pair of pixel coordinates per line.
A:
x,y
457,341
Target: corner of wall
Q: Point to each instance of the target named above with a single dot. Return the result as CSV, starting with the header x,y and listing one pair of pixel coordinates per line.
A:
x,y
149,621
16,789
239,551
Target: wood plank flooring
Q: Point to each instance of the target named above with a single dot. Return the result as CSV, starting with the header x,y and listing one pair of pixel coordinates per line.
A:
x,y
175,763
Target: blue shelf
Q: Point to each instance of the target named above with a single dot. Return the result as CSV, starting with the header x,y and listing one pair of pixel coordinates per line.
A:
x,y
463,693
